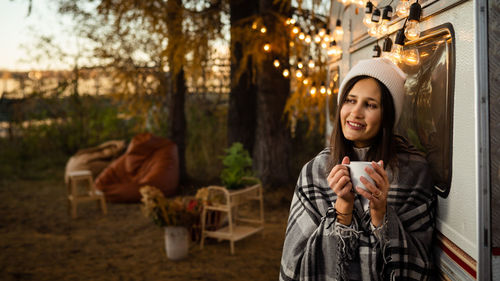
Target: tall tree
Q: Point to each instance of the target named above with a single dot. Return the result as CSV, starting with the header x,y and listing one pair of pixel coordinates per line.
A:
x,y
273,141
243,96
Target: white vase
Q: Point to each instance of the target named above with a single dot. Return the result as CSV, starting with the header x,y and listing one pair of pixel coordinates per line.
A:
x,y
176,242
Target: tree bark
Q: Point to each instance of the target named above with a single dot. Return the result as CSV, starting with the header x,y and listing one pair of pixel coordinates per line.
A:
x,y
273,141
242,110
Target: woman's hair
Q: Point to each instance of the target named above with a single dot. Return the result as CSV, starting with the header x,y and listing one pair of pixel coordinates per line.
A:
x,y
384,143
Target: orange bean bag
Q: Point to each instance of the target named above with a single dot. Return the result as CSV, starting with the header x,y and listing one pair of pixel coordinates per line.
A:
x,y
149,160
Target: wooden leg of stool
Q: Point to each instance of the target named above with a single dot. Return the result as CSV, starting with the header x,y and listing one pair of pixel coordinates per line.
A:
x,y
103,206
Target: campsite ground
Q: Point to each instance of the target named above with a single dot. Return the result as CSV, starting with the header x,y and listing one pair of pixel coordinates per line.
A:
x,y
39,240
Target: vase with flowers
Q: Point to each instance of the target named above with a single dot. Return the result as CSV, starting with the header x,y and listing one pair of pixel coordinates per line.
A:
x,y
176,215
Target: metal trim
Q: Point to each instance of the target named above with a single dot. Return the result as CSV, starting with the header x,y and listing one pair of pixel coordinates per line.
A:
x,y
483,150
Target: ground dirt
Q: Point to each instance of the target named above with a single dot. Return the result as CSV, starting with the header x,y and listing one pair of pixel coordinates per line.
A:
x,y
40,241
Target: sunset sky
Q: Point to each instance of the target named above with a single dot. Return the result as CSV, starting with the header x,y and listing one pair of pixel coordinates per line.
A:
x,y
17,28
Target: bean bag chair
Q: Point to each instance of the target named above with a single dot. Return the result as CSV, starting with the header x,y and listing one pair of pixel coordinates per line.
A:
x,y
149,160
95,159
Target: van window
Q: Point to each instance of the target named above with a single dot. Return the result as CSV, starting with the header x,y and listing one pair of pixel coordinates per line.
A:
x,y
427,118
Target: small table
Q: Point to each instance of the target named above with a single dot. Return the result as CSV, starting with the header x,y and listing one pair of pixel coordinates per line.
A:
x,y
234,231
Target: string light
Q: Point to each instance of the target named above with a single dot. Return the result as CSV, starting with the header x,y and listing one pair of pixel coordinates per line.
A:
x,y
300,65
412,57
322,31
339,32
403,8
254,25
367,20
267,47
386,17
387,48
312,91
293,21
322,89
376,51
276,63
295,30
305,81
329,91
359,3
334,50
397,48
327,37
263,29
298,73
286,73
308,39
302,36
311,63
412,31
317,38
373,30
324,45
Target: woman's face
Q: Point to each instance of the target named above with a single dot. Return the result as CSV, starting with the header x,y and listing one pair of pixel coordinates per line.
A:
x,y
361,113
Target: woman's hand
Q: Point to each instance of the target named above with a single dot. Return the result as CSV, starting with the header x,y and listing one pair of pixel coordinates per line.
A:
x,y
379,191
340,182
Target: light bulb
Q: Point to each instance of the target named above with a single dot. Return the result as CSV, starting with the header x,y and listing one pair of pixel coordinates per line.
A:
x,y
317,38
346,2
322,31
295,30
286,73
311,63
263,29
382,29
329,92
254,25
359,3
313,90
324,45
293,21
373,30
276,63
412,57
305,81
267,47
403,8
298,73
302,36
412,30
291,44
397,53
339,32
287,22
300,65
322,89
367,20
308,39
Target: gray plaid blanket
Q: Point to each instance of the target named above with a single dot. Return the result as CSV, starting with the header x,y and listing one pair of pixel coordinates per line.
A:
x,y
318,248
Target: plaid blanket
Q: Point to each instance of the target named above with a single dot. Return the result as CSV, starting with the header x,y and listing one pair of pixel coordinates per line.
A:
x,y
316,247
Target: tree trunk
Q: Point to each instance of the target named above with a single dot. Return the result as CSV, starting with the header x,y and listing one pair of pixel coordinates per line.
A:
x,y
273,141
243,96
177,116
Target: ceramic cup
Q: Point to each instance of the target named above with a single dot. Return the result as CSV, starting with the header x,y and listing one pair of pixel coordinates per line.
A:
x,y
356,170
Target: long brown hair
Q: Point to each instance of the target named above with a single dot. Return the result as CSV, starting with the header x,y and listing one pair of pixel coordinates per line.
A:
x,y
384,144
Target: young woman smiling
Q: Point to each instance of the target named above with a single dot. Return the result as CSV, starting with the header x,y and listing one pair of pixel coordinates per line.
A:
x,y
339,232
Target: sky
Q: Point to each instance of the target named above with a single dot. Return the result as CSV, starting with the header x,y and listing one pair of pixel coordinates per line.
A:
x,y
17,28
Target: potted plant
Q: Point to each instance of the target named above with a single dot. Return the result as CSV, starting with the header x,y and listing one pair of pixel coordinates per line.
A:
x,y
237,171
176,215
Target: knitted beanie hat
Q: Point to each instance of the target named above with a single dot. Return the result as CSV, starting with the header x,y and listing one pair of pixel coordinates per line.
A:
x,y
386,72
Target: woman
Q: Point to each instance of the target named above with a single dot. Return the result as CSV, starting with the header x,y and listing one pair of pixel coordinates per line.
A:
x,y
339,232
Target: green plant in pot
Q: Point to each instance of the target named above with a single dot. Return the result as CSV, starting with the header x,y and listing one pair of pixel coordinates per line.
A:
x,y
237,170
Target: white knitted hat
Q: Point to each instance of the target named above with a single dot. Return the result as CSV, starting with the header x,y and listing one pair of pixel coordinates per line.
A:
x,y
386,72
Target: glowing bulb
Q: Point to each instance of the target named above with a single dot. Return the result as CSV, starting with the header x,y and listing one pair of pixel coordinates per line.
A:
x,y
305,81
329,92
322,89
322,31
359,3
339,32
302,36
382,29
286,73
412,57
403,8
308,39
367,20
267,47
276,63
412,30
327,38
254,25
295,30
300,65
346,2
311,63
298,73
317,38
313,90
293,21
263,29
324,45
291,44
397,53
373,30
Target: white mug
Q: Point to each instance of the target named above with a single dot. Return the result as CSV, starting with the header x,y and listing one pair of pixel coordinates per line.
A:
x,y
356,170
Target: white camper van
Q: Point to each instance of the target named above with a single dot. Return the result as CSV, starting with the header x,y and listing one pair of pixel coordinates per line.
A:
x,y
452,113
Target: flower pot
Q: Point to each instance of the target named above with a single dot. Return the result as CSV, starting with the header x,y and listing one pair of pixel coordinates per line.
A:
x,y
176,242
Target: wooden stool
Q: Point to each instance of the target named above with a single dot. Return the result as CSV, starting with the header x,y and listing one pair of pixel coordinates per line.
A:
x,y
86,192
